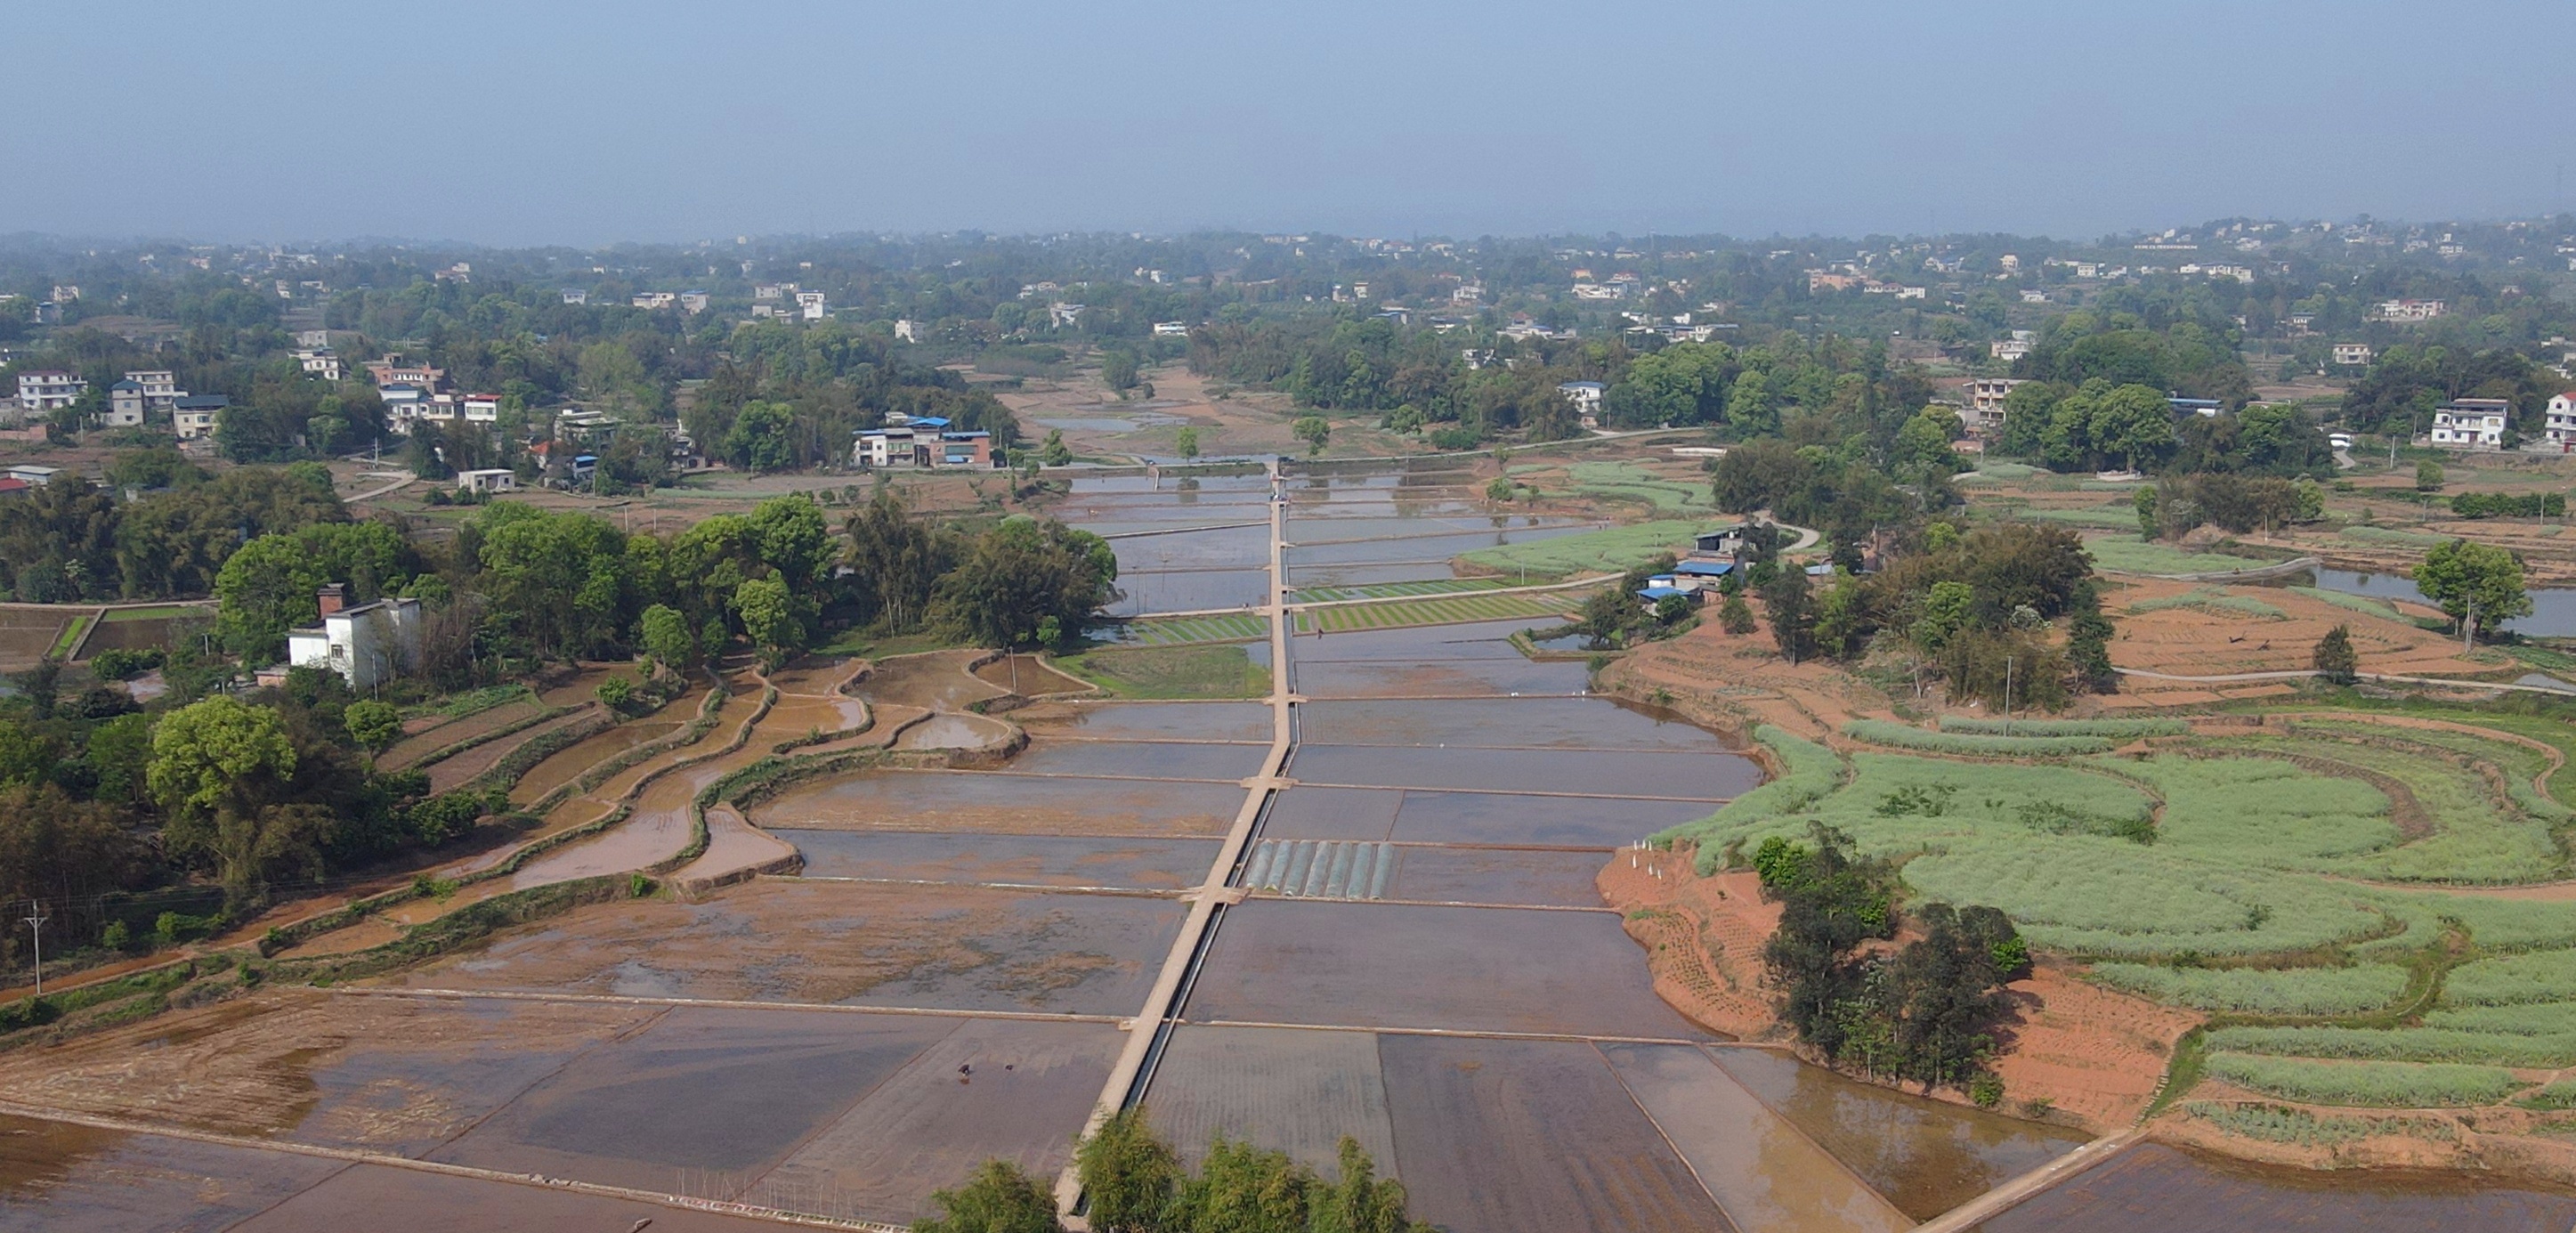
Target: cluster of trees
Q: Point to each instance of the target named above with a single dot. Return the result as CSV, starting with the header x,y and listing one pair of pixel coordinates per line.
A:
x,y
110,813
2129,348
1135,1183
2479,585
72,541
2407,381
1932,1011
2509,504
2236,502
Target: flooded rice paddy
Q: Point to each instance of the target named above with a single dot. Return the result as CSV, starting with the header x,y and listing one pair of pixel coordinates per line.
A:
x,y
1413,955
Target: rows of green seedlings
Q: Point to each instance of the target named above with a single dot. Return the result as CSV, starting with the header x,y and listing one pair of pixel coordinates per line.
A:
x,y
2190,879
2118,729
1907,736
2282,1124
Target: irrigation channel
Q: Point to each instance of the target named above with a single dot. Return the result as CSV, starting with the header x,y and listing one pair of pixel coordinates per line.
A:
x,y
1360,902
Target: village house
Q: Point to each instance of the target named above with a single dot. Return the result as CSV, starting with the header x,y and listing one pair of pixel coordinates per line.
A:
x,y
2352,355
48,389
487,479
1586,397
2471,423
1986,397
2562,419
2409,310
367,644
194,415
920,441
31,474
393,370
124,405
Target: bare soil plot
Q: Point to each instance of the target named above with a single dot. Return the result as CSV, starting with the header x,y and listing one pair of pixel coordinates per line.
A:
x,y
387,1074
700,1090
1677,776
1573,723
64,1178
1925,1156
1013,1090
1046,860
1030,676
781,940
1285,961
1002,804
1763,1171
1495,1134
382,1197
2151,1188
1284,1089
1497,875
27,634
2212,639
1204,721
143,633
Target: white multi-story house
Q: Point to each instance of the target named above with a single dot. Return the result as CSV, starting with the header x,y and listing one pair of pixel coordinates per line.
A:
x,y
654,299
809,305
48,389
319,362
160,388
2410,310
2352,355
693,301
2013,347
194,415
403,404
482,408
2562,418
2471,423
367,645
1172,329
1586,397
571,296
1986,402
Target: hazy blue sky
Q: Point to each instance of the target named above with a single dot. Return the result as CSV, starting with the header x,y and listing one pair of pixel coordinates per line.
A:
x,y
584,123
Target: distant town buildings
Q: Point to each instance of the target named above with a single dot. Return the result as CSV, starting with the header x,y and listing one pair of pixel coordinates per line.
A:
x,y
2409,310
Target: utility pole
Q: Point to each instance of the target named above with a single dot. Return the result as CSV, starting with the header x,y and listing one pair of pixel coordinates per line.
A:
x,y
2009,662
2469,626
36,919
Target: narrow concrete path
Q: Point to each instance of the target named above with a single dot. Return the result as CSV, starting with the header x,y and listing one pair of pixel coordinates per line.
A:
x,y
1160,1003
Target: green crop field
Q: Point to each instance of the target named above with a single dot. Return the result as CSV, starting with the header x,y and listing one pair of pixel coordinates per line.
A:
x,y
2401,1085
2292,991
2392,537
2425,1044
1168,672
2122,729
2212,599
1385,590
2345,599
1453,611
1631,482
2127,554
1607,550
1907,736
1182,630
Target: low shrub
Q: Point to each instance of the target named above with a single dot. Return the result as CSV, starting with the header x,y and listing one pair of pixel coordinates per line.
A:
x,y
2276,1124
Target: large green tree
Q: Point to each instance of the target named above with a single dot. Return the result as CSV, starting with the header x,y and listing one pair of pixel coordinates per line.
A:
x,y
2479,585
220,771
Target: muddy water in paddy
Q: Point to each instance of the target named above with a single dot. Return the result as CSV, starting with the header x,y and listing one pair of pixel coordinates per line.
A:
x,y
2152,1188
71,1179
564,767
1415,816
368,1197
1572,723
1497,875
1149,588
935,681
1672,776
1142,759
975,803
1925,1156
1201,721
1395,965
1048,860
954,730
